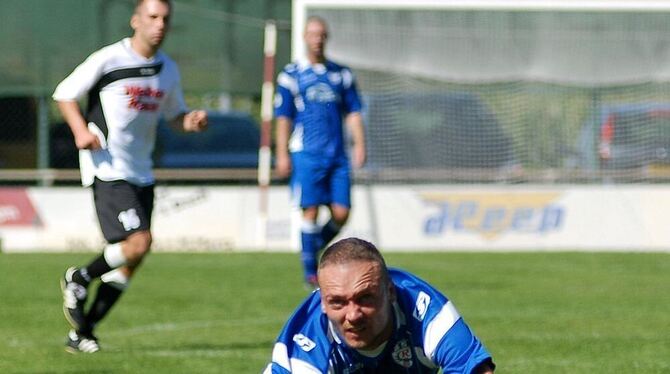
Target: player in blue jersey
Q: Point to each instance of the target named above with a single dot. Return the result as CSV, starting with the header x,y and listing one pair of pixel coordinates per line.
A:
x,y
314,97
366,318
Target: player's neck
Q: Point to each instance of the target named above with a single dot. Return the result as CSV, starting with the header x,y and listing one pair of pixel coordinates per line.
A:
x,y
316,59
143,49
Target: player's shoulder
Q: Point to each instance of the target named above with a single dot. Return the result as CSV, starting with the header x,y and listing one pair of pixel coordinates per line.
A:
x,y
107,53
416,295
304,340
291,68
342,71
168,63
164,57
405,279
115,47
335,66
308,319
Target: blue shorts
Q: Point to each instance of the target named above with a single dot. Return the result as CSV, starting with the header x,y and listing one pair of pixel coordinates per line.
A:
x,y
318,180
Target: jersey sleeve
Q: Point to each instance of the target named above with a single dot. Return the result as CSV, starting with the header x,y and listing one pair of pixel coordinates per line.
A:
x,y
303,345
352,102
287,87
174,104
77,85
448,341
459,350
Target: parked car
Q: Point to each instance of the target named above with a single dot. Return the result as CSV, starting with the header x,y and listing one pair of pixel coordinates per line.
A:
x,y
63,154
231,141
435,131
627,136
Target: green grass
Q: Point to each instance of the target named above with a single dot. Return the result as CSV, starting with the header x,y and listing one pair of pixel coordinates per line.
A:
x,y
220,313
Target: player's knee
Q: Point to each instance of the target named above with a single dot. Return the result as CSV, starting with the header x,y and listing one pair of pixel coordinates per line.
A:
x,y
138,245
340,215
310,213
341,220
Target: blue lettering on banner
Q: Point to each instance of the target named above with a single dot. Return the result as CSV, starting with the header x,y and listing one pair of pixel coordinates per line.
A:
x,y
489,220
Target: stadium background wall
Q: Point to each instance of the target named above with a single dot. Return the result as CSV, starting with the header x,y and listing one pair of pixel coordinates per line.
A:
x,y
517,114
401,217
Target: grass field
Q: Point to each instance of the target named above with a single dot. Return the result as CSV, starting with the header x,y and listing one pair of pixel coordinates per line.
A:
x,y
220,313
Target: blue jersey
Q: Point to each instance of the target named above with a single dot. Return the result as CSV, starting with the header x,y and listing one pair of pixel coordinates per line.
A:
x,y
429,334
316,98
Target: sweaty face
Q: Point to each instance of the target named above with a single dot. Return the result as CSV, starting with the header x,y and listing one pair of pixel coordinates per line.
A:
x,y
315,39
151,23
357,302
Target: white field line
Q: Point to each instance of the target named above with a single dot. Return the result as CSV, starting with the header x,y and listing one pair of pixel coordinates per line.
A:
x,y
189,325
220,352
23,343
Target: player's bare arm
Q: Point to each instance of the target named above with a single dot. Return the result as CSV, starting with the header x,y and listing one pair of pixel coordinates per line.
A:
x,y
194,121
355,123
83,138
282,157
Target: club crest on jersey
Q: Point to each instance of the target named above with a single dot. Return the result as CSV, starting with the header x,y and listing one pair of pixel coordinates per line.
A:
x,y
321,93
305,343
402,354
421,307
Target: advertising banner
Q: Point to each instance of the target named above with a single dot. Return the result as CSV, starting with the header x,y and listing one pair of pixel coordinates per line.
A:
x,y
402,218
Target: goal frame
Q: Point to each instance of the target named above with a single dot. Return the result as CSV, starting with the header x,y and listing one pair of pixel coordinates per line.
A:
x,y
300,9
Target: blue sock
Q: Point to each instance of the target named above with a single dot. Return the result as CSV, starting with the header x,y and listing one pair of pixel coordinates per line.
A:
x,y
329,231
311,243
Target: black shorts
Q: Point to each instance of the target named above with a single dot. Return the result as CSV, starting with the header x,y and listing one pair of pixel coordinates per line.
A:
x,y
123,208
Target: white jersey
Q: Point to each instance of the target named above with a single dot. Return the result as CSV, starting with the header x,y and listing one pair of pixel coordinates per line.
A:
x,y
127,94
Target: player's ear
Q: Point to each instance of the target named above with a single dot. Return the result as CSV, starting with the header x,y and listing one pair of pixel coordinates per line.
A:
x,y
391,291
134,20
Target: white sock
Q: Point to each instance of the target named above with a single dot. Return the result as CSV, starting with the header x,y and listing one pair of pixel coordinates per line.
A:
x,y
116,278
114,255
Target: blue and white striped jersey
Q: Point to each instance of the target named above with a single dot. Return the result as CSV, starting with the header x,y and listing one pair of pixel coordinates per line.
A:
x,y
316,97
429,334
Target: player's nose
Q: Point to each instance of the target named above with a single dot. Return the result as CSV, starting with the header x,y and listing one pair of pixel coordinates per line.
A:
x,y
354,314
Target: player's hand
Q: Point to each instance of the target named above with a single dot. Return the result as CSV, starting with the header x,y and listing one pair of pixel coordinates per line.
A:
x,y
195,121
358,156
283,165
87,140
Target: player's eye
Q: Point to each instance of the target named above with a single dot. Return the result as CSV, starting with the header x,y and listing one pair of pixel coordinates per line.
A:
x,y
366,300
336,304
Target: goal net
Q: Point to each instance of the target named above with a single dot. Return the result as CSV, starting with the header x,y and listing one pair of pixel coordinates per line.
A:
x,y
506,91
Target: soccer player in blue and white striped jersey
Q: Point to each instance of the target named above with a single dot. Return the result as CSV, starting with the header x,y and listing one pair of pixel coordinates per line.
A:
x,y
366,318
314,98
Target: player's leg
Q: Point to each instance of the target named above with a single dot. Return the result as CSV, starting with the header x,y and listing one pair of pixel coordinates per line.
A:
x,y
124,213
308,188
135,247
112,285
340,192
339,215
310,241
76,280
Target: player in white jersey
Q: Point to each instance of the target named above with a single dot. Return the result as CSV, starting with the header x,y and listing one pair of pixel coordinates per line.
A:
x,y
366,318
129,85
